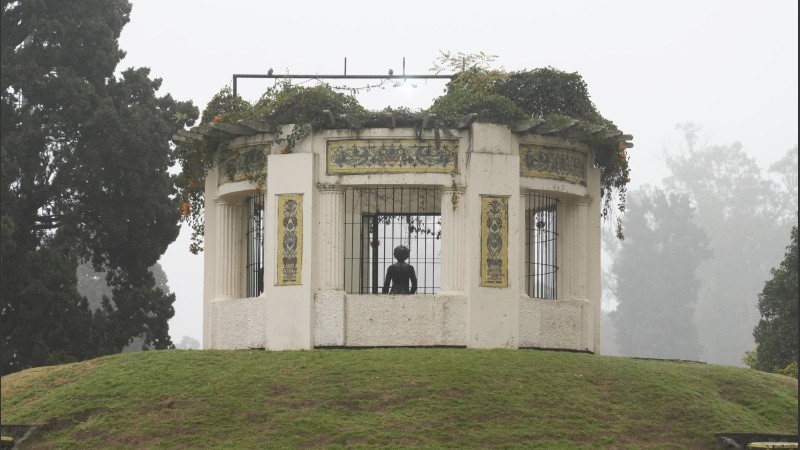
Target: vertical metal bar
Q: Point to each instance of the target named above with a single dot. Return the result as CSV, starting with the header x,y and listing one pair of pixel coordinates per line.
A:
x,y
249,239
555,249
548,249
527,245
540,202
374,243
250,247
252,287
538,247
362,235
429,263
388,237
363,279
347,256
344,243
545,247
539,280
424,257
425,244
255,243
262,250
531,250
436,250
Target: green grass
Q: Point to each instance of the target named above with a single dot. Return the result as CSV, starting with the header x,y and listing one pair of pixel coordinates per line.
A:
x,y
392,397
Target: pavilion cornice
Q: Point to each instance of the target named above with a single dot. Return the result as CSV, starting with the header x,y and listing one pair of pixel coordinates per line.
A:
x,y
569,129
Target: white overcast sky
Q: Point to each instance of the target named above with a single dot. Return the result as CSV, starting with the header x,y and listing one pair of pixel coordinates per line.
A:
x,y
729,66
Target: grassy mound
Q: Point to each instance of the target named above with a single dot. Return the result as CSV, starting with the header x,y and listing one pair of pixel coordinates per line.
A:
x,y
392,397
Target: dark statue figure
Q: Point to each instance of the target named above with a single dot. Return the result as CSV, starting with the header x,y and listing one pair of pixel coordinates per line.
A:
x,y
400,273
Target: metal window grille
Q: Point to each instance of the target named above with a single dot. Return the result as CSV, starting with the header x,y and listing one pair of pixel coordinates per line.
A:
x,y
379,218
255,245
541,238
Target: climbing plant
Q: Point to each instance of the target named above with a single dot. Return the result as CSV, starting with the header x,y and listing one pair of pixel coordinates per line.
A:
x,y
558,100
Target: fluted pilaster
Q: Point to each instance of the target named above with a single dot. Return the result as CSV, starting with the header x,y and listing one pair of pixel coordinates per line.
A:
x,y
452,240
229,248
581,258
566,260
331,223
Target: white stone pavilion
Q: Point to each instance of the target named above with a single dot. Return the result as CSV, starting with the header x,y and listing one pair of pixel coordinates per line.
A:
x,y
503,226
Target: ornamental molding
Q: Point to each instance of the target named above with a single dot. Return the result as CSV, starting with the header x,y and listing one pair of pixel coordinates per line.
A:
x,y
242,175
365,156
553,163
327,187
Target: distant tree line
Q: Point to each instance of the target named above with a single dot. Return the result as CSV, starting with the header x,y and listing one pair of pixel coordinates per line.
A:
x,y
698,252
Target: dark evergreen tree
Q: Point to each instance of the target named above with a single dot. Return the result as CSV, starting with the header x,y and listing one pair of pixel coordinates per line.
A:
x,y
84,176
656,284
776,333
93,286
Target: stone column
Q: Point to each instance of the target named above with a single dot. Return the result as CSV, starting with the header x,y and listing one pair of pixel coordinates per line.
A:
x,y
581,265
566,259
453,240
229,248
330,263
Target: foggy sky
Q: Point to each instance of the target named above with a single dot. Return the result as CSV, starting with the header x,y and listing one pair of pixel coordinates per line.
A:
x,y
730,66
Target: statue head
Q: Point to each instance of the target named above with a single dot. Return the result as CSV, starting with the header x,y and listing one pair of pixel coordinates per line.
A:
x,y
401,253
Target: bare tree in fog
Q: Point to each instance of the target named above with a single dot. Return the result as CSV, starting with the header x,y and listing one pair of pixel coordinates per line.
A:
x,y
656,281
610,245
746,215
188,343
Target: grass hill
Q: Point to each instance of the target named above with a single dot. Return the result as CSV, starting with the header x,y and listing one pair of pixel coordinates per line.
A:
x,y
392,397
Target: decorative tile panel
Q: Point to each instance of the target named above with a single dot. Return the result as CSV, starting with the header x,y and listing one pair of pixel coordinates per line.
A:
x,y
359,156
290,239
494,241
554,163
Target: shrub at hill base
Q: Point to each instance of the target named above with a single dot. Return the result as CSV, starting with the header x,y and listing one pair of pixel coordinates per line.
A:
x,y
776,333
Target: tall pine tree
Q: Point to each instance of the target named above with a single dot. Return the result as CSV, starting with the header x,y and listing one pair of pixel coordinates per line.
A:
x,y
84,177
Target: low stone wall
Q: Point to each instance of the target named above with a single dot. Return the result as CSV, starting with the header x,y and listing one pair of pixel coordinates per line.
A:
x,y
389,320
350,320
238,323
556,324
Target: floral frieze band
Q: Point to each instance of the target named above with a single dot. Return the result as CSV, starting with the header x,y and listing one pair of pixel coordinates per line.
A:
x,y
290,239
554,163
358,156
494,241
245,158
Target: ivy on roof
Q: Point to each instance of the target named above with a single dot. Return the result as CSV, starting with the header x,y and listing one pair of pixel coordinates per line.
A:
x,y
543,101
